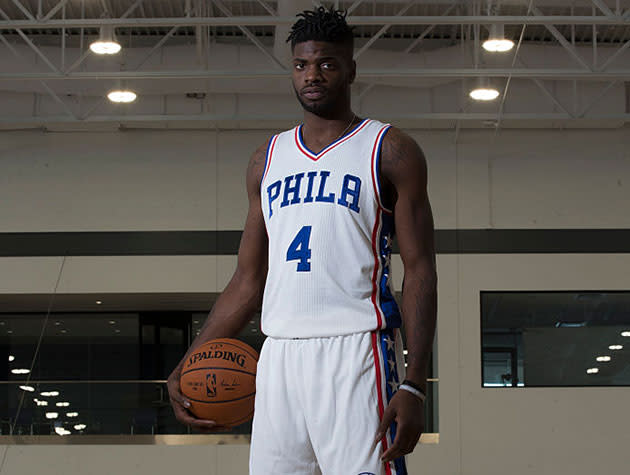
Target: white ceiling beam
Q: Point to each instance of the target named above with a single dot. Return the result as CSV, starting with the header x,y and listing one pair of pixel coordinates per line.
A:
x,y
540,73
408,49
354,6
262,20
609,61
267,7
603,7
563,41
436,116
382,31
23,9
54,10
250,35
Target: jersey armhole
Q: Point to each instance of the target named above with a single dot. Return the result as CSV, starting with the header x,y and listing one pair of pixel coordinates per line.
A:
x,y
270,146
376,158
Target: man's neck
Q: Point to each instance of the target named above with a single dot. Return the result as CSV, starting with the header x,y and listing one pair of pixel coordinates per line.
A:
x,y
318,128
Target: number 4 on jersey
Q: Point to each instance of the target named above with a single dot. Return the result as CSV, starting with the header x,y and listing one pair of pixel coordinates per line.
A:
x,y
299,250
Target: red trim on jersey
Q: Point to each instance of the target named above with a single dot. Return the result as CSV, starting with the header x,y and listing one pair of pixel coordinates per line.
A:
x,y
269,155
379,320
379,392
328,148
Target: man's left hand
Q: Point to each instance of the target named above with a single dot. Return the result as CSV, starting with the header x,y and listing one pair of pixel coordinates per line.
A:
x,y
408,411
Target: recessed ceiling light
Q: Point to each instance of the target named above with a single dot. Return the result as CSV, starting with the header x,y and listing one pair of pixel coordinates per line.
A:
x,y
20,371
625,333
615,347
112,322
106,43
80,426
52,415
603,358
121,96
50,393
592,370
98,302
11,357
30,389
72,414
496,42
483,94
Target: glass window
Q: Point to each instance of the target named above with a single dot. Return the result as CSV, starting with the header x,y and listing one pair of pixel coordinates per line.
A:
x,y
105,373
555,338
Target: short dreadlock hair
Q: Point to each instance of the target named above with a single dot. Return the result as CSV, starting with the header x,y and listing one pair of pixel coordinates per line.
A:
x,y
322,25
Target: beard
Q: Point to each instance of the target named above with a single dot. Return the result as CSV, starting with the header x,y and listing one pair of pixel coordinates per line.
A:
x,y
323,108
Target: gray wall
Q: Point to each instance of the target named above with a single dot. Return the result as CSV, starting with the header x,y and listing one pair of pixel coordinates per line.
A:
x,y
194,180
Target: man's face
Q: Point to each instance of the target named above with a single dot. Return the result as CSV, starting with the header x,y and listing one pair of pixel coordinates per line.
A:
x,y
322,74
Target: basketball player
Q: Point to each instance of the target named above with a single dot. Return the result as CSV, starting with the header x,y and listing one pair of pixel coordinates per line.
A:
x,y
325,199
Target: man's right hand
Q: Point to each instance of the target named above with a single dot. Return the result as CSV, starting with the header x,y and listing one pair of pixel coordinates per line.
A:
x,y
180,407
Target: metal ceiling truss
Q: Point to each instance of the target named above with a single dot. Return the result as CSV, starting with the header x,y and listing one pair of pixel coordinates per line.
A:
x,y
602,15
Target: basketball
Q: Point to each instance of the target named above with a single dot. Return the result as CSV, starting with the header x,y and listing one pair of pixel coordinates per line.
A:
x,y
219,380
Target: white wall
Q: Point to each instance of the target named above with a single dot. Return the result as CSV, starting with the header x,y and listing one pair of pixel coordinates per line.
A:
x,y
185,180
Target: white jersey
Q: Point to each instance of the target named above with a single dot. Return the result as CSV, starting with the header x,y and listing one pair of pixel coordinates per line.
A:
x,y
329,237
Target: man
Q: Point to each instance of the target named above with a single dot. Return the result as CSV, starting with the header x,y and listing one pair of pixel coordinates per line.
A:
x,y
325,199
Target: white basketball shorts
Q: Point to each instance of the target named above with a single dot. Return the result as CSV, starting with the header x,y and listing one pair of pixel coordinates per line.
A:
x,y
319,402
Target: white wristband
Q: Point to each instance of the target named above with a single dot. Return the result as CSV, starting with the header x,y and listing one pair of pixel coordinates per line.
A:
x,y
413,391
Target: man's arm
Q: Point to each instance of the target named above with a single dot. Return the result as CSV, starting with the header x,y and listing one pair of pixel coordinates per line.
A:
x,y
243,294
403,165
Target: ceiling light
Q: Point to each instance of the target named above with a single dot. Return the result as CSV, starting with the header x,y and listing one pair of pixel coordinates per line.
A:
x,y
20,371
592,370
80,426
484,91
484,94
27,388
72,414
52,415
106,43
11,357
603,358
62,431
122,96
496,42
50,393
98,302
625,333
42,403
62,404
615,347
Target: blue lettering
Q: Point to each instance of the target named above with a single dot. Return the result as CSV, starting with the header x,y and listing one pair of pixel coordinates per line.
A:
x,y
322,184
275,189
294,190
347,191
309,190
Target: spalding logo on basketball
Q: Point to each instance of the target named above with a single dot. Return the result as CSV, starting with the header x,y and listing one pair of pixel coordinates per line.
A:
x,y
219,380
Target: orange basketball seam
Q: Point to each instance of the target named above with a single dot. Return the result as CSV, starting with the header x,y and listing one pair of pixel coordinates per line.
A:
x,y
227,368
224,401
214,342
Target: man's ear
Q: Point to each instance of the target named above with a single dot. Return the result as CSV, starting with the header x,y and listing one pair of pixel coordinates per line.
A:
x,y
353,71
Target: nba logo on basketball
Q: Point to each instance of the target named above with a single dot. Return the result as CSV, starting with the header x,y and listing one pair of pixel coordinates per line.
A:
x,y
211,385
